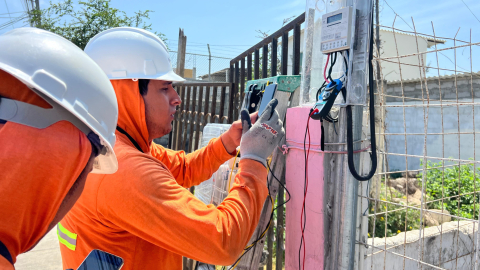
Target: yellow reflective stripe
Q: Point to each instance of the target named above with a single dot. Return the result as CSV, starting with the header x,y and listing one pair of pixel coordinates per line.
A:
x,y
67,238
63,241
65,231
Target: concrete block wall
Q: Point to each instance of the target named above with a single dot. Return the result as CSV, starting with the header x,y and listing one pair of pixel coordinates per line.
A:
x,y
464,118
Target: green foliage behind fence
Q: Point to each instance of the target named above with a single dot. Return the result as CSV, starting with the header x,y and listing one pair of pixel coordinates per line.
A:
x,y
459,187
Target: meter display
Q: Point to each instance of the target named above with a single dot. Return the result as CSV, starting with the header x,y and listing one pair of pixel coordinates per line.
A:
x,y
336,29
334,18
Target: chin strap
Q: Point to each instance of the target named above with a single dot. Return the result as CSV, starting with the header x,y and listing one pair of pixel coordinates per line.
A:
x,y
130,138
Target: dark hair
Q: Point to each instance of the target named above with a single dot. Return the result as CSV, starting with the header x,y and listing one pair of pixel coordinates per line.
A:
x,y
143,86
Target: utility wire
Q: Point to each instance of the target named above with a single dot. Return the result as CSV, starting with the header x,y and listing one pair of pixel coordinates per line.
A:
x,y
470,10
397,14
8,12
11,13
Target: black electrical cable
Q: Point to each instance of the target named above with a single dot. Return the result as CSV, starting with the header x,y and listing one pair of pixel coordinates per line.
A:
x,y
271,216
373,155
332,63
304,191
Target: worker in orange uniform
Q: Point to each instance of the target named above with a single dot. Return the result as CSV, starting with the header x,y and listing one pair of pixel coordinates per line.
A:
x,y
143,213
58,113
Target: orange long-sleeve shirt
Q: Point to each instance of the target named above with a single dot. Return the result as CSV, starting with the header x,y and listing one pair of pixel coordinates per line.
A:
x,y
144,213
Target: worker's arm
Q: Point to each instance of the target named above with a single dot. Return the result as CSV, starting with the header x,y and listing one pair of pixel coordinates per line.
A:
x,y
155,208
194,168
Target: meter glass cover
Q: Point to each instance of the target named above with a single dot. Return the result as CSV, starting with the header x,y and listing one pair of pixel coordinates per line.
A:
x,y
334,18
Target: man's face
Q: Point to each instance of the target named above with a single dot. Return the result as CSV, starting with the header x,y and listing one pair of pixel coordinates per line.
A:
x,y
161,101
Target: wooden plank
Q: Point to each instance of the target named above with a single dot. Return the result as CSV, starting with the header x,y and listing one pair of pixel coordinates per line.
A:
x,y
273,66
265,61
252,258
256,65
208,93
187,117
181,117
191,141
296,50
222,102
185,263
214,104
199,119
270,241
285,53
280,225
237,80
230,98
249,67
242,75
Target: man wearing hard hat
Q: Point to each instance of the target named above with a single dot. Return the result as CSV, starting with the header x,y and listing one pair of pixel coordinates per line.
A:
x,y
143,213
58,114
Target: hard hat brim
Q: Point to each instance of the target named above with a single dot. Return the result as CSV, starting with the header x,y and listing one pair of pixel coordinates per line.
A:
x,y
170,77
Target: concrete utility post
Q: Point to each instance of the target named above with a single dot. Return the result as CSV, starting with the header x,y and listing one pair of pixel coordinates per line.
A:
x,y
344,223
182,48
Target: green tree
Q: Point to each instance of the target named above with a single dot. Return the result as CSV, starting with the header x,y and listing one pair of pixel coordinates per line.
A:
x,y
79,23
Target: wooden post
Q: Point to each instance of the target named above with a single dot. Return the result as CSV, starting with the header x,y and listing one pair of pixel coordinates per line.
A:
x,y
270,240
182,47
280,226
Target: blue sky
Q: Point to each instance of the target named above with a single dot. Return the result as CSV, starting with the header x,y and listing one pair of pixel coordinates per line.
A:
x,y
229,26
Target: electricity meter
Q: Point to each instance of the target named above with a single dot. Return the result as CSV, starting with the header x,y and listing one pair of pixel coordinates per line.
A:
x,y
336,30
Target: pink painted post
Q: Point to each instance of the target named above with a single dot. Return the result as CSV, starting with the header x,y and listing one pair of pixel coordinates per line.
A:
x,y
295,178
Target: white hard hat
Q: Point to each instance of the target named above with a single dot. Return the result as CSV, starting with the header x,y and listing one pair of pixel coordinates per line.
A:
x,y
65,77
131,53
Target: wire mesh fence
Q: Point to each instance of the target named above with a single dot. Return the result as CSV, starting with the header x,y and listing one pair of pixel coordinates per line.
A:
x,y
204,67
421,209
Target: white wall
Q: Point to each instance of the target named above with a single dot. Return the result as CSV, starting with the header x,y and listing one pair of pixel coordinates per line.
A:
x,y
405,44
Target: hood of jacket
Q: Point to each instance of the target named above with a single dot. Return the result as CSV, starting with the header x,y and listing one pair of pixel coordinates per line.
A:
x,y
131,111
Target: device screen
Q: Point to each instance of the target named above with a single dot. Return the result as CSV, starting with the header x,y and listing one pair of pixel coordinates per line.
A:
x,y
267,96
334,18
101,260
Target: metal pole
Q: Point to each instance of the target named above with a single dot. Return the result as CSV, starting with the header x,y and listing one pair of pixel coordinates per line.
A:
x,y
209,62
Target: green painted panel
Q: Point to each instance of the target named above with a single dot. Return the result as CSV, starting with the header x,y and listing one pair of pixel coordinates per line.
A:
x,y
286,83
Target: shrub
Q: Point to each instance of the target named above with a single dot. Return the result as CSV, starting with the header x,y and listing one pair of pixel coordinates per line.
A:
x,y
393,222
457,180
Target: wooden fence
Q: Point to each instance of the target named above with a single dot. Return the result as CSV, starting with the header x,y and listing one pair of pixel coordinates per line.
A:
x,y
220,103
201,104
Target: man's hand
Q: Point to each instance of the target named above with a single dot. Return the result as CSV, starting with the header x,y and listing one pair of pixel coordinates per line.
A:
x,y
231,138
260,139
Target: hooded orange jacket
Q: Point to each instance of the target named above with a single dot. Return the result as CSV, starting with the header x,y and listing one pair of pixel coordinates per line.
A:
x,y
144,213
37,169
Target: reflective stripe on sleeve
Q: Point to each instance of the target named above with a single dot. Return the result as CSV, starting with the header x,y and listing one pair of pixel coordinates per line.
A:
x,y
67,238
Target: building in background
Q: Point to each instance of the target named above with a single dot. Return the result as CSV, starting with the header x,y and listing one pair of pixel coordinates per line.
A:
x,y
406,45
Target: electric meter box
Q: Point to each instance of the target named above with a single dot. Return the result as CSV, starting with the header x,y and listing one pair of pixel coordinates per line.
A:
x,y
336,30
